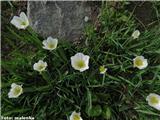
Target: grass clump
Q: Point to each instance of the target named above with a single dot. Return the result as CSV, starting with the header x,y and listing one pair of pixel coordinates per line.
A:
x,y
120,94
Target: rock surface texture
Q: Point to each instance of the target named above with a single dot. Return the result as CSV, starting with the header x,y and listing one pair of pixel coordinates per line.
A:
x,y
61,19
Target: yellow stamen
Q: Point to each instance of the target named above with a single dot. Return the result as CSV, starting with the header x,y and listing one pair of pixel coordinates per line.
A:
x,y
50,45
138,62
17,90
76,117
23,23
102,69
154,100
80,64
40,67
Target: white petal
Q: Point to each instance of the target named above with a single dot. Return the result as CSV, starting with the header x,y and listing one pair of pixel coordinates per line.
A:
x,y
52,41
44,42
13,85
55,41
16,21
83,69
80,57
40,66
86,59
145,62
45,48
35,66
152,94
135,34
140,67
141,57
73,63
74,113
49,38
10,95
40,62
23,17
12,90
45,64
156,106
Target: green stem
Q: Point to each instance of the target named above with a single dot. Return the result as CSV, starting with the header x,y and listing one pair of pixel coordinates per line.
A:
x,y
46,76
103,79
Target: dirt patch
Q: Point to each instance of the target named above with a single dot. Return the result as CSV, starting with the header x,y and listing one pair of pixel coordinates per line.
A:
x,y
143,11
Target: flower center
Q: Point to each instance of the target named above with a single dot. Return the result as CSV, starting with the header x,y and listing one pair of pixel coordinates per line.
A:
x,y
23,23
154,100
41,67
138,62
76,117
80,64
50,45
17,90
102,69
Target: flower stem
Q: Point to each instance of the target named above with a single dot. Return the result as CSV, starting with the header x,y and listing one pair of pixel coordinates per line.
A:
x,y
46,76
103,79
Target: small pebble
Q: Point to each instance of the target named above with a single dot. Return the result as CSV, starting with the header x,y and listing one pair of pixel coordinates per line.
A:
x,y
86,18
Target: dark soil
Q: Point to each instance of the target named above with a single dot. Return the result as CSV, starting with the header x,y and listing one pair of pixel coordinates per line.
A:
x,y
144,12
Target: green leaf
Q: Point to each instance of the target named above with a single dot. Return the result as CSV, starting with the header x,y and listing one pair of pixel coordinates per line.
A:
x,y
106,113
94,111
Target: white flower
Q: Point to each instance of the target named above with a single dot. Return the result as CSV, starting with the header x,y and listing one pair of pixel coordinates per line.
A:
x,y
15,91
86,18
20,22
40,66
75,116
135,34
154,100
102,70
140,62
80,62
50,43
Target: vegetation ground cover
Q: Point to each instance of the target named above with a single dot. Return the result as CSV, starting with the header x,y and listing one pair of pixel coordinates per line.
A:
x,y
120,94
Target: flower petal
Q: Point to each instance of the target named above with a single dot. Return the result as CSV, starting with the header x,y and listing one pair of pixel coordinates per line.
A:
x,y
13,85
75,116
44,42
16,21
23,17
80,62
153,100
15,91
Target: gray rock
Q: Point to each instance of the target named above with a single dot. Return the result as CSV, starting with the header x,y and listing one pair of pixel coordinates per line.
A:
x,y
61,19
